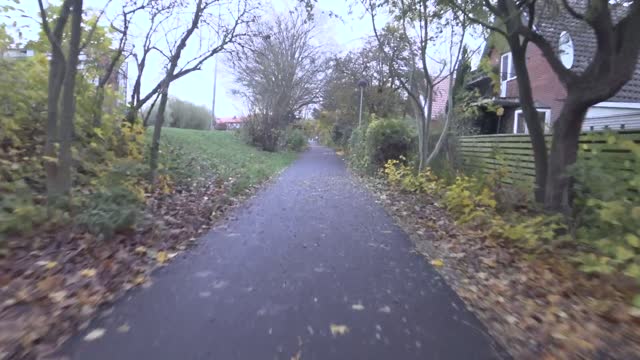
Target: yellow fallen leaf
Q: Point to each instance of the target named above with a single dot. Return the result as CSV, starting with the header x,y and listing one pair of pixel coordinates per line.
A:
x,y
88,272
437,262
161,257
95,334
338,329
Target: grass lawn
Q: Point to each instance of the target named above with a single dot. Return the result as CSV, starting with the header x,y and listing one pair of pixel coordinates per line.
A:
x,y
195,155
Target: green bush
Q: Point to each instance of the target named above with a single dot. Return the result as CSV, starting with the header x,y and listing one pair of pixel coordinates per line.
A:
x,y
608,210
358,157
295,139
387,139
110,210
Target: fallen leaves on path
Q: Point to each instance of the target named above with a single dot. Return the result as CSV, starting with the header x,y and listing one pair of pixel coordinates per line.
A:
x,y
52,285
538,307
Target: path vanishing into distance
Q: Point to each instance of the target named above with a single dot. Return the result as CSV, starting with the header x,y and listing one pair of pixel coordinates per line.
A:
x,y
310,268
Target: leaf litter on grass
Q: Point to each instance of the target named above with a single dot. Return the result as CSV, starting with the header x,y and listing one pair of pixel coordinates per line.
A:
x,y
54,283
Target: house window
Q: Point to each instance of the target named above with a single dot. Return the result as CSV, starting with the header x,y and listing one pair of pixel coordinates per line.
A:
x,y
520,127
507,72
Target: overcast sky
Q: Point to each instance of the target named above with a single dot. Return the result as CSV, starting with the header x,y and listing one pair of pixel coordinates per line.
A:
x,y
346,32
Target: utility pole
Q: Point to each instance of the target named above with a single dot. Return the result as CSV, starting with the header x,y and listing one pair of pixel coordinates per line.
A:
x,y
213,102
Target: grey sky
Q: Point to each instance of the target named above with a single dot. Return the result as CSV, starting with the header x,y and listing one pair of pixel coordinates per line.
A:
x,y
338,35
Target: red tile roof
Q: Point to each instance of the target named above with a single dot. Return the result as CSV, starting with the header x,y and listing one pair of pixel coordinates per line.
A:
x,y
230,120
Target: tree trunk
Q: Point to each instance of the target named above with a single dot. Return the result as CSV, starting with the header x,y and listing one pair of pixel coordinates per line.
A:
x,y
97,107
427,125
157,129
536,132
68,103
56,77
564,152
445,128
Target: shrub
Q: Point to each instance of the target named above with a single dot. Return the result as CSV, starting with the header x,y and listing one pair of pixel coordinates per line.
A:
x,y
340,134
109,210
257,131
387,139
295,139
358,157
608,210
472,202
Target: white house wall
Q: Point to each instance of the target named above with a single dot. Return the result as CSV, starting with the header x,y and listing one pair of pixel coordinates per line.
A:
x,y
609,117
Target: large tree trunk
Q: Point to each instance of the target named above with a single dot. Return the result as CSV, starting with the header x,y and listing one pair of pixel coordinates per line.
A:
x,y
564,152
157,129
427,126
56,77
97,107
68,103
536,132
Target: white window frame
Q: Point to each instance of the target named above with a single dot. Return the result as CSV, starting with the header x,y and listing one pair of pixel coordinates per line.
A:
x,y
509,72
547,120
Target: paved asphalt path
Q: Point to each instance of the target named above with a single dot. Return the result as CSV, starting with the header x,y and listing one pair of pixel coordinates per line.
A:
x,y
311,250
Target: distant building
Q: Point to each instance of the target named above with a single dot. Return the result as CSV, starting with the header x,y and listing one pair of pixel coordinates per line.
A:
x,y
16,53
229,123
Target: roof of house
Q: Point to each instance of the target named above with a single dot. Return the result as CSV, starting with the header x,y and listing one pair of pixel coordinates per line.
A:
x,y
230,120
554,22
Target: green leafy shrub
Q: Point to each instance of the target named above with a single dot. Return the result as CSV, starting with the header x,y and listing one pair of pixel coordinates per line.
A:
x,y
387,139
110,210
295,139
19,211
473,203
608,210
358,156
403,176
470,201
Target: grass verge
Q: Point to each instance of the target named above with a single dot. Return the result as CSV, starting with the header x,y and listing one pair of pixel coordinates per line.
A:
x,y
196,155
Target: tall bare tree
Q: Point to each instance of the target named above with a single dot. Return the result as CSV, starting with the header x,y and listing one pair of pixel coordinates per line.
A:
x,y
281,70
411,40
203,17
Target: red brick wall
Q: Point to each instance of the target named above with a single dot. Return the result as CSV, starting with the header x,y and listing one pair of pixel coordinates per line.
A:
x,y
545,85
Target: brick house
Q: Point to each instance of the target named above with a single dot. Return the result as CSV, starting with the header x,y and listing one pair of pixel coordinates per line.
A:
x,y
575,43
228,123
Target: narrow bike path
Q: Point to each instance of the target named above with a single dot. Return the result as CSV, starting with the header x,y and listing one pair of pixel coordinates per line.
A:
x,y
310,268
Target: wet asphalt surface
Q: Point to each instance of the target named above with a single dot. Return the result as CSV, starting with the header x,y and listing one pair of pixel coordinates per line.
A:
x,y
310,251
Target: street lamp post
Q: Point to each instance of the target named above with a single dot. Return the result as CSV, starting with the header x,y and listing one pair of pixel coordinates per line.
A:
x,y
361,84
